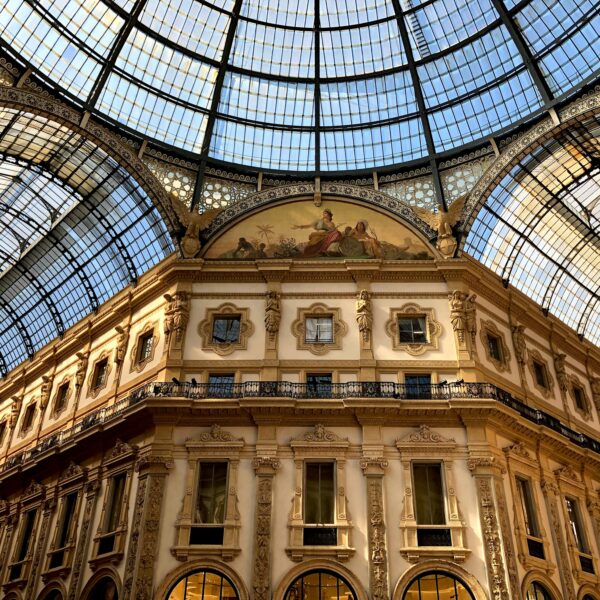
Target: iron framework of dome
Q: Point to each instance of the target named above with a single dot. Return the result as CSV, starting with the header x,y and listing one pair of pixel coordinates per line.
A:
x,y
326,87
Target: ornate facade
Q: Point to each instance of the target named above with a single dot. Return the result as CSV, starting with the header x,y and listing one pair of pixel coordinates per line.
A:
x,y
175,437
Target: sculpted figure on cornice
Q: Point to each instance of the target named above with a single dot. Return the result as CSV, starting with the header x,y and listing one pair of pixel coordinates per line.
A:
x,y
177,315
561,371
518,336
462,314
15,409
46,388
364,314
81,368
121,344
272,313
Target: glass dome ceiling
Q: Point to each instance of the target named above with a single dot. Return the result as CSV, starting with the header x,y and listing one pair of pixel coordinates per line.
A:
x,y
326,87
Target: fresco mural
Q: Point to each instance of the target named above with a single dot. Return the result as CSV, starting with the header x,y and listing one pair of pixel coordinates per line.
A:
x,y
302,230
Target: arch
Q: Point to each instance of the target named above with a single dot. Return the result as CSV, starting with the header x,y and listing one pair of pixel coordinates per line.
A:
x,y
100,579
126,156
55,590
329,191
439,566
171,579
588,592
579,109
310,566
541,578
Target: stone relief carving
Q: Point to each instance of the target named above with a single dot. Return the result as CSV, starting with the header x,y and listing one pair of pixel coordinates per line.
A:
x,y
40,547
216,434
462,315
378,571
320,434
272,313
121,344
519,449
45,390
364,314
507,538
595,385
425,435
177,314
81,368
519,343
561,371
15,409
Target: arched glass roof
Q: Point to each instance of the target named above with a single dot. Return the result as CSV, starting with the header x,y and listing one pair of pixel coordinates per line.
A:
x,y
540,227
75,228
326,86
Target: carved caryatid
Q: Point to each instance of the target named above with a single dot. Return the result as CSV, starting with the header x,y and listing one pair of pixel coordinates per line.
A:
x,y
45,390
595,385
177,315
462,315
81,368
364,314
272,313
518,336
561,371
121,344
15,409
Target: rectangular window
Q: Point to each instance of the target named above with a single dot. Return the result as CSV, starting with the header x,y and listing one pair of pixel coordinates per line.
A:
x,y
525,496
210,507
575,524
318,330
100,373
226,329
418,386
2,432
220,385
114,507
28,418
61,397
494,347
318,385
145,346
64,530
430,505
319,504
579,398
413,330
541,377
23,544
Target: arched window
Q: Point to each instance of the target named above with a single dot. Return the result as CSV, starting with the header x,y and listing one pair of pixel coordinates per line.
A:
x,y
537,591
436,584
53,595
203,585
105,589
315,585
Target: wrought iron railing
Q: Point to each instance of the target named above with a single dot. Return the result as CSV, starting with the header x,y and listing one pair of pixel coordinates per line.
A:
x,y
300,391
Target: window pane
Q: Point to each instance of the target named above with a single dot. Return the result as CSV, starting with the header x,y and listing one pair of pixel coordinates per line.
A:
x,y
212,493
319,498
413,330
494,347
319,330
524,488
66,519
429,495
575,523
115,502
226,329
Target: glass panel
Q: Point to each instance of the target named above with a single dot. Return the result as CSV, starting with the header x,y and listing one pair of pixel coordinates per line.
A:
x,y
320,497
524,488
429,494
212,492
575,524
319,330
115,503
226,329
413,330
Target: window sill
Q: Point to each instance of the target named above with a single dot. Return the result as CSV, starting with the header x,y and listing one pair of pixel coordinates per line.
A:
x,y
184,553
299,553
57,572
110,558
418,553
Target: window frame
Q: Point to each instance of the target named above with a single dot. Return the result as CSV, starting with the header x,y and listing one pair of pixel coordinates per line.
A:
x,y
535,357
433,329
29,414
215,445
319,445
420,447
95,387
490,330
318,319
224,311
138,362
319,310
585,410
65,384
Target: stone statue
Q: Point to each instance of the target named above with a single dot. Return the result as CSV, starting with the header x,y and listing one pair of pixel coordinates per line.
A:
x,y
272,313
595,385
15,409
364,314
121,344
561,371
81,368
45,392
177,315
518,337
462,314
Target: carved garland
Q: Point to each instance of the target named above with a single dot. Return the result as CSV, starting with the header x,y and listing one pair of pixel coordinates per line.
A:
x,y
489,328
205,329
433,328
340,329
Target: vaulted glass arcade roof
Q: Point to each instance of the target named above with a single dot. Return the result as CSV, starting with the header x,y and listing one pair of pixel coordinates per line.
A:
x,y
323,86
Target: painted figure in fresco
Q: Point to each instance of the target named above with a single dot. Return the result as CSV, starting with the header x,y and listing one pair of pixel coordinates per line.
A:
x,y
324,235
369,241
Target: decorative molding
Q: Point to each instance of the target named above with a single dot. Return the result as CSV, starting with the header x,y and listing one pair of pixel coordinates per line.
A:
x,y
94,390
463,319
433,328
177,315
57,411
319,435
136,365
205,329
378,570
272,313
424,435
82,363
216,434
45,390
535,356
574,382
340,329
489,328
364,315
519,343
567,472
121,347
595,385
518,449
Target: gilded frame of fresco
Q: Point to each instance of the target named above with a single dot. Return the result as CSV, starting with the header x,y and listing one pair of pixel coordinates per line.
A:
x,y
575,382
432,327
522,464
320,444
94,391
136,365
205,329
57,412
216,445
426,445
536,356
489,328
340,329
